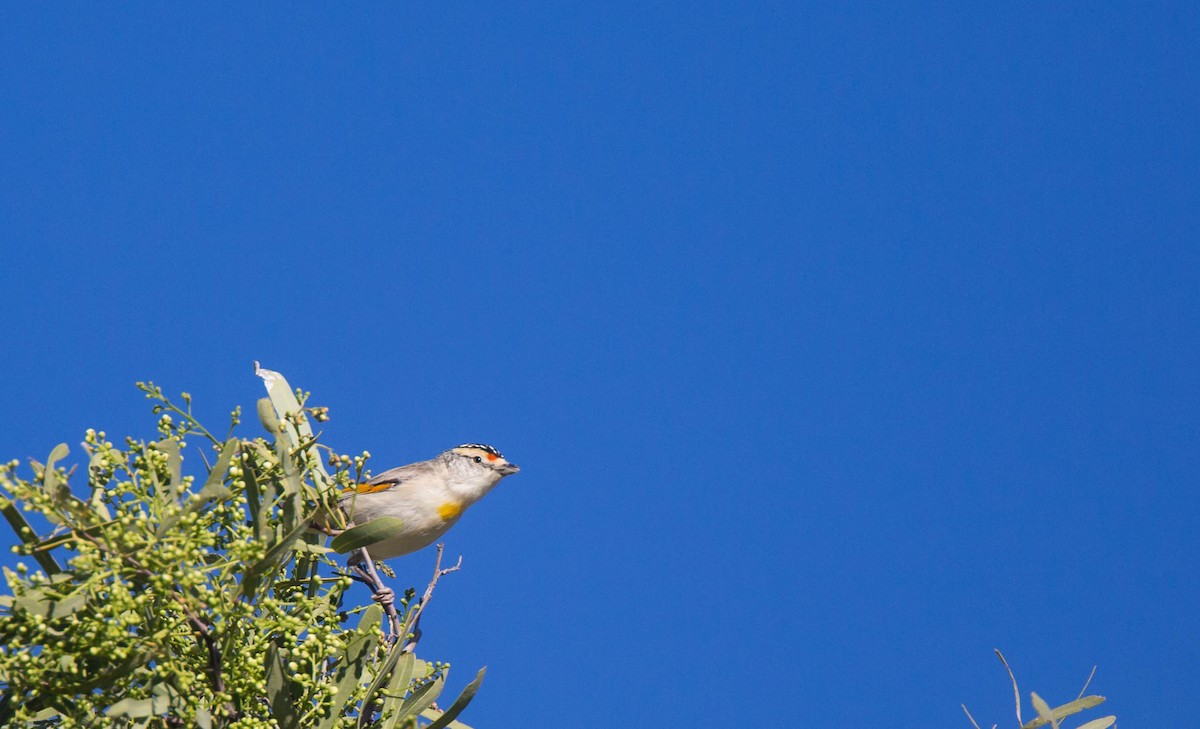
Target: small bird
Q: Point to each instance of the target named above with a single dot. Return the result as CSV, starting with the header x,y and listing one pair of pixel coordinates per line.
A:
x,y
429,496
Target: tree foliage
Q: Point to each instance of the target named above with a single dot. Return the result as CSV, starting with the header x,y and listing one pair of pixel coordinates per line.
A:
x,y
1045,714
164,598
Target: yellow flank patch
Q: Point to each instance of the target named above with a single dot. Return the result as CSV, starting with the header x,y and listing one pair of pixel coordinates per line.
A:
x,y
449,510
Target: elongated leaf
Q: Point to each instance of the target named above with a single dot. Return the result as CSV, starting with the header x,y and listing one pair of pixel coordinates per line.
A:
x,y
311,548
371,618
283,398
279,691
140,708
422,698
1103,722
271,561
1042,708
213,489
351,663
96,500
174,465
1067,709
257,504
51,481
367,534
114,673
401,677
17,521
284,402
216,476
48,607
460,703
207,495
433,714
46,714
267,416
281,393
381,678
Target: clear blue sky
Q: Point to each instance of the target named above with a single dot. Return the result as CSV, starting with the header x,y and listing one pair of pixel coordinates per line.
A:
x,y
838,344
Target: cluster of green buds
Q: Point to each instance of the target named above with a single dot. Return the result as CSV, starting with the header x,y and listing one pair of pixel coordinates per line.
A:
x,y
166,598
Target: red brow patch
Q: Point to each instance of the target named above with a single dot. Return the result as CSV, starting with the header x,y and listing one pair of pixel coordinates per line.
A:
x,y
492,456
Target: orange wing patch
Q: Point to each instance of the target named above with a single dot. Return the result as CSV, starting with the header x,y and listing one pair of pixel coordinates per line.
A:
x,y
450,510
371,488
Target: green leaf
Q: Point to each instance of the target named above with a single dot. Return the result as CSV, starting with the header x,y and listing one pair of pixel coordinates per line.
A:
x,y
52,482
216,476
282,397
115,673
312,548
174,464
351,664
1067,709
271,561
279,691
1042,708
284,402
460,703
17,521
46,714
140,708
383,676
50,607
266,416
364,535
434,714
214,488
371,617
1103,722
422,698
401,677
96,501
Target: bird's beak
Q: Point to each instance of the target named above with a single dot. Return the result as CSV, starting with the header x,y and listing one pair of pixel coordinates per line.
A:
x,y
508,469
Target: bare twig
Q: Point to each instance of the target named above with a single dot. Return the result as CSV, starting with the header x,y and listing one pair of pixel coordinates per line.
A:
x,y
1086,683
1016,692
973,722
410,625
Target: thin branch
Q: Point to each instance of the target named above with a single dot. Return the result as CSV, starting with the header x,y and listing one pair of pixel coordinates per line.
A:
x,y
410,625
367,714
205,631
1016,692
973,722
1086,683
365,567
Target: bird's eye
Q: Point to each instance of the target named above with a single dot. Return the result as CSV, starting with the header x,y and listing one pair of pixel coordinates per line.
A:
x,y
478,459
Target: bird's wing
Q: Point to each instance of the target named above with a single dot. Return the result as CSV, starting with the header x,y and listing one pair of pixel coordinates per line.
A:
x,y
387,480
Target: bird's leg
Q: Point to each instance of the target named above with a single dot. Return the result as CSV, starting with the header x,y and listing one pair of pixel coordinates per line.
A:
x,y
326,530
364,566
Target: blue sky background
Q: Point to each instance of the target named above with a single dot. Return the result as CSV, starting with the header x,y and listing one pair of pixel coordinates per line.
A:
x,y
838,343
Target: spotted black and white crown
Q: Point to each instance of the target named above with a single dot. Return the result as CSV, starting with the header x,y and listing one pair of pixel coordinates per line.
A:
x,y
483,447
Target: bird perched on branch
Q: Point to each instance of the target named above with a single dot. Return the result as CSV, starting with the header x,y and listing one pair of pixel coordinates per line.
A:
x,y
428,497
